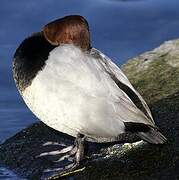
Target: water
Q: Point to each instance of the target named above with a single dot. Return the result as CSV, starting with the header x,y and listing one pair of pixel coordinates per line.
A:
x,y
5,174
120,28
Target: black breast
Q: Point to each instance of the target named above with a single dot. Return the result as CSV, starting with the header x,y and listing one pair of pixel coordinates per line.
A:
x,y
29,59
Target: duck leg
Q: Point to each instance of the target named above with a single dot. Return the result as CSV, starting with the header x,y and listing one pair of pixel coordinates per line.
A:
x,y
69,160
79,144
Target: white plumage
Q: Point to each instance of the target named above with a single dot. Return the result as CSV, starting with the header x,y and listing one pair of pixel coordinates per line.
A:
x,y
74,93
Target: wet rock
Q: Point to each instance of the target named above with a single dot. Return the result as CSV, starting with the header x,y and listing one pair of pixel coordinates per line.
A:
x,y
155,75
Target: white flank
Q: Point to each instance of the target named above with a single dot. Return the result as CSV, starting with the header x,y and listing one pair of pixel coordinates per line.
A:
x,y
74,94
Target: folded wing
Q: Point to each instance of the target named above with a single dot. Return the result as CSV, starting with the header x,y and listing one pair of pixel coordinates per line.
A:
x,y
123,83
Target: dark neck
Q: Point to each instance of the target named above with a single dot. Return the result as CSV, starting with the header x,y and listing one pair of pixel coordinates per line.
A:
x,y
29,59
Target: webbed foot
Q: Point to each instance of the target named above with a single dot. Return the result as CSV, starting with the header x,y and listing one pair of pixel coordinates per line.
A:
x,y
69,159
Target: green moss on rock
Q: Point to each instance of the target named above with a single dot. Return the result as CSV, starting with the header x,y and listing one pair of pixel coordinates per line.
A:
x,y
159,80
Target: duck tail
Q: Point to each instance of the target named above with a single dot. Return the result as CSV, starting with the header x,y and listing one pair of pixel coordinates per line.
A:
x,y
146,132
153,136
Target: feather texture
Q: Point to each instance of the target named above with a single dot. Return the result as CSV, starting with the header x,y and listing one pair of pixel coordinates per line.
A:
x,y
76,93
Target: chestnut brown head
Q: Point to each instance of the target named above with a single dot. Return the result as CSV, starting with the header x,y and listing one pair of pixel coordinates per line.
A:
x,y
68,30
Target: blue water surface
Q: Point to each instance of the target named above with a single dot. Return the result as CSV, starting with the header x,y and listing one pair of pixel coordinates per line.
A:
x,y
120,28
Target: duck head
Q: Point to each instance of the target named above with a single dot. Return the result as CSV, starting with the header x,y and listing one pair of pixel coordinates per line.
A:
x,y
72,29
